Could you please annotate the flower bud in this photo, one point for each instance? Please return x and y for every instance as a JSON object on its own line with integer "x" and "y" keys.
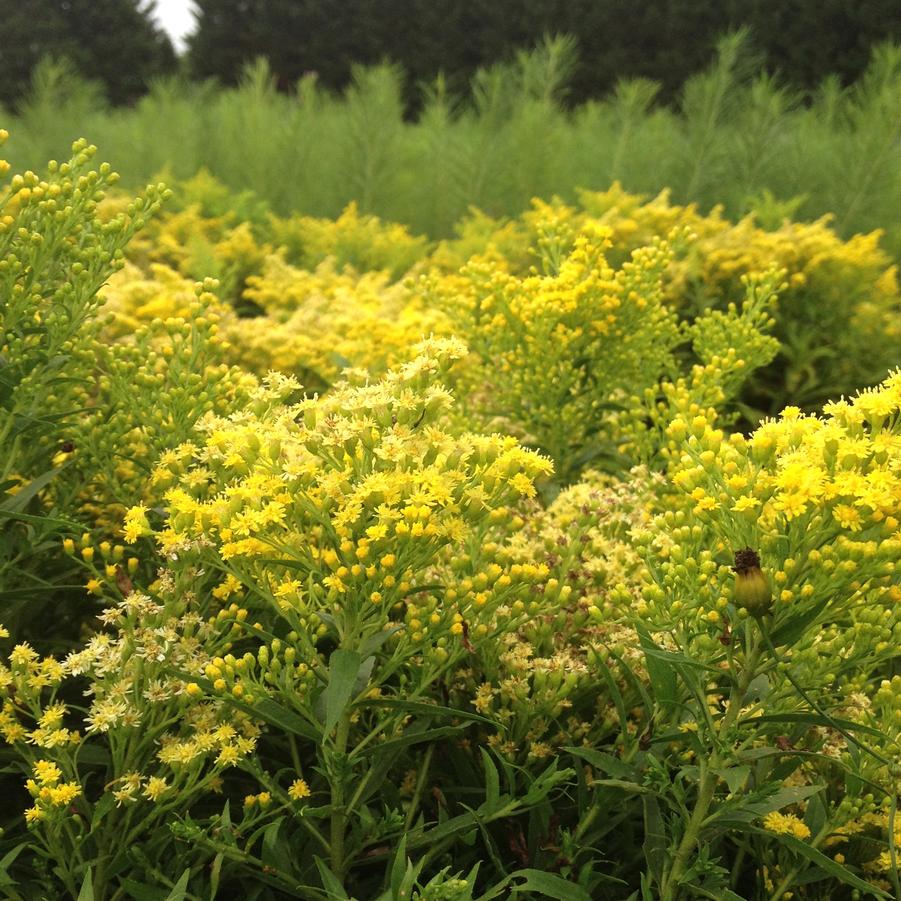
{"x": 752, "y": 587}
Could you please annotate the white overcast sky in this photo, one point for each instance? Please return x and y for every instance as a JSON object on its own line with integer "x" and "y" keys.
{"x": 176, "y": 18}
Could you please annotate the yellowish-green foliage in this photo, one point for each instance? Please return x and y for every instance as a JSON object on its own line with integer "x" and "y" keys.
{"x": 157, "y": 382}
{"x": 818, "y": 502}
{"x": 415, "y": 555}
{"x": 321, "y": 322}
{"x": 558, "y": 348}
{"x": 839, "y": 311}
{"x": 363, "y": 242}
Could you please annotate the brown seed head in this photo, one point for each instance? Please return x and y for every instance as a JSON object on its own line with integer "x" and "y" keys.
{"x": 746, "y": 560}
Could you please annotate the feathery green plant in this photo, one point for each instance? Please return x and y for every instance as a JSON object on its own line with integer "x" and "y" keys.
{"x": 735, "y": 135}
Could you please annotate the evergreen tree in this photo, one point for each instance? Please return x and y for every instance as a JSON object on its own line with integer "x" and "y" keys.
{"x": 666, "y": 40}
{"x": 114, "y": 42}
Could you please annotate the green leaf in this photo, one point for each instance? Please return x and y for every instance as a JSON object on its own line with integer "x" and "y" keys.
{"x": 17, "y": 502}
{"x": 734, "y": 776}
{"x": 422, "y": 708}
{"x": 103, "y": 806}
{"x": 549, "y": 885}
{"x": 330, "y": 882}
{"x": 754, "y": 807}
{"x": 632, "y": 787}
{"x": 343, "y": 667}
{"x": 413, "y": 738}
{"x": 399, "y": 867}
{"x": 272, "y": 849}
{"x": 7, "y": 861}
{"x": 606, "y": 763}
{"x": 492, "y": 779}
{"x": 374, "y": 642}
{"x": 86, "y": 892}
{"x": 180, "y": 889}
{"x": 140, "y": 891}
{"x": 795, "y": 626}
{"x": 816, "y": 814}
{"x": 673, "y": 657}
{"x": 276, "y": 715}
{"x": 216, "y": 874}
{"x": 813, "y": 719}
{"x": 40, "y": 520}
{"x": 655, "y": 843}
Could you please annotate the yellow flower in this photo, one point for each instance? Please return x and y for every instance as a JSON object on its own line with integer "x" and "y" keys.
{"x": 298, "y": 790}
{"x": 33, "y": 814}
{"x": 847, "y": 516}
{"x": 46, "y": 772}
{"x": 155, "y": 788}
{"x": 64, "y": 794}
{"x": 745, "y": 504}
{"x": 136, "y": 524}
{"x": 785, "y": 824}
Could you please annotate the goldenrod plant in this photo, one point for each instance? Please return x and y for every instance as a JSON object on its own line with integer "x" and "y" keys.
{"x": 55, "y": 255}
{"x": 388, "y": 569}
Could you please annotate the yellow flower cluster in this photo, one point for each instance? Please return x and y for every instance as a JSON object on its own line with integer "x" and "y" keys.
{"x": 344, "y": 500}
{"x": 317, "y": 323}
{"x": 49, "y": 791}
{"x": 25, "y": 675}
{"x": 846, "y": 290}
{"x": 360, "y": 241}
{"x": 818, "y": 499}
{"x": 312, "y": 323}
{"x": 558, "y": 349}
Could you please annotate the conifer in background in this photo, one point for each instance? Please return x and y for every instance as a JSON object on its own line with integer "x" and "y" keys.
{"x": 802, "y": 41}
{"x": 113, "y": 42}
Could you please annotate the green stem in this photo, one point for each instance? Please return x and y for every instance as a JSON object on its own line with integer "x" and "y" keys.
{"x": 420, "y": 783}
{"x": 892, "y": 846}
{"x": 708, "y": 780}
{"x": 737, "y": 865}
{"x": 689, "y": 841}
{"x": 339, "y": 810}
{"x": 295, "y": 755}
